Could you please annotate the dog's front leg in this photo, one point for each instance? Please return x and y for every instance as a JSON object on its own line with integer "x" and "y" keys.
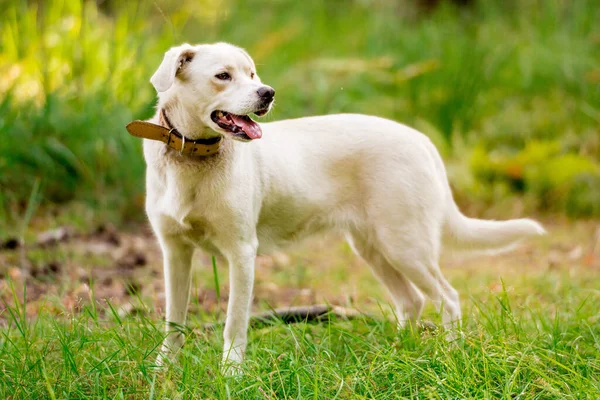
{"x": 241, "y": 276}
{"x": 177, "y": 258}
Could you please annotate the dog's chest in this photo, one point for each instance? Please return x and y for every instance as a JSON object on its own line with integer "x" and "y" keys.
{"x": 190, "y": 221}
{"x": 185, "y": 206}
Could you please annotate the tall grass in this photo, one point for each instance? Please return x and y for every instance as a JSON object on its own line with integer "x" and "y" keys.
{"x": 71, "y": 78}
{"x": 498, "y": 74}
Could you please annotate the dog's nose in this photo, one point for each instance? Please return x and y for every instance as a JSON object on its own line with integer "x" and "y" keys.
{"x": 266, "y": 92}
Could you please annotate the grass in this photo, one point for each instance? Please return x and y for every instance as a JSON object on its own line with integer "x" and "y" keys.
{"x": 530, "y": 329}
{"x": 505, "y": 354}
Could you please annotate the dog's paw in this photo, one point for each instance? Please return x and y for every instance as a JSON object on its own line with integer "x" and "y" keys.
{"x": 231, "y": 369}
{"x": 163, "y": 361}
{"x": 168, "y": 353}
{"x": 454, "y": 337}
{"x": 231, "y": 365}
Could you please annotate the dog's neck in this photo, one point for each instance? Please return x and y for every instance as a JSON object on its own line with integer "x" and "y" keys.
{"x": 187, "y": 123}
{"x": 171, "y": 118}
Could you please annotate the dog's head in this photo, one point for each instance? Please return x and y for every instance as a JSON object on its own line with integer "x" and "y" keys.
{"x": 216, "y": 86}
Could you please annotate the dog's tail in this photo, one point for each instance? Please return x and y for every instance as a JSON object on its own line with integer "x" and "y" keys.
{"x": 485, "y": 234}
{"x": 479, "y": 234}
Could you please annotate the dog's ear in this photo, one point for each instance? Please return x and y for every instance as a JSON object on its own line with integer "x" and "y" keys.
{"x": 172, "y": 64}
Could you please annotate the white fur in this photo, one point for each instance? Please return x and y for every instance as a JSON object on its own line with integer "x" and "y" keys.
{"x": 379, "y": 182}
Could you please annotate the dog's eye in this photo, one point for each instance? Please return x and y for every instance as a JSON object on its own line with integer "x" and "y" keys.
{"x": 251, "y": 75}
{"x": 223, "y": 76}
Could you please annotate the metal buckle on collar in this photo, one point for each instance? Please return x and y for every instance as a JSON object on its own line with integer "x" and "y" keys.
{"x": 170, "y": 133}
{"x": 182, "y": 144}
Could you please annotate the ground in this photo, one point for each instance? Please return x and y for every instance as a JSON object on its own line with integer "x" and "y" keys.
{"x": 530, "y": 327}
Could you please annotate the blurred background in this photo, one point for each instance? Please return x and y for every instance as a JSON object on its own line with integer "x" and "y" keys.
{"x": 509, "y": 91}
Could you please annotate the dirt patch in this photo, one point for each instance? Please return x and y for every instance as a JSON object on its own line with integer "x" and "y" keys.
{"x": 65, "y": 270}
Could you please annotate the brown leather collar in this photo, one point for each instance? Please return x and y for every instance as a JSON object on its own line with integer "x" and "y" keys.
{"x": 166, "y": 133}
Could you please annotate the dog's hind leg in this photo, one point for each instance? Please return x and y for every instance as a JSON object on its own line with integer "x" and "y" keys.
{"x": 408, "y": 301}
{"x": 413, "y": 251}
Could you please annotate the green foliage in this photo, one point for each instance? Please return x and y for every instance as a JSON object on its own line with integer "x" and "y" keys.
{"x": 559, "y": 181}
{"x": 583, "y": 197}
{"x": 72, "y": 82}
{"x": 496, "y": 75}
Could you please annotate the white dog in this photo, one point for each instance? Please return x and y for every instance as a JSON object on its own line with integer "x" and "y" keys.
{"x": 214, "y": 183}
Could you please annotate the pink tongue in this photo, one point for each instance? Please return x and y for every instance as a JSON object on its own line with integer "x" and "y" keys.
{"x": 251, "y": 128}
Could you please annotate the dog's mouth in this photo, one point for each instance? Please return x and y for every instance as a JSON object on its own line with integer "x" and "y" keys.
{"x": 241, "y": 126}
